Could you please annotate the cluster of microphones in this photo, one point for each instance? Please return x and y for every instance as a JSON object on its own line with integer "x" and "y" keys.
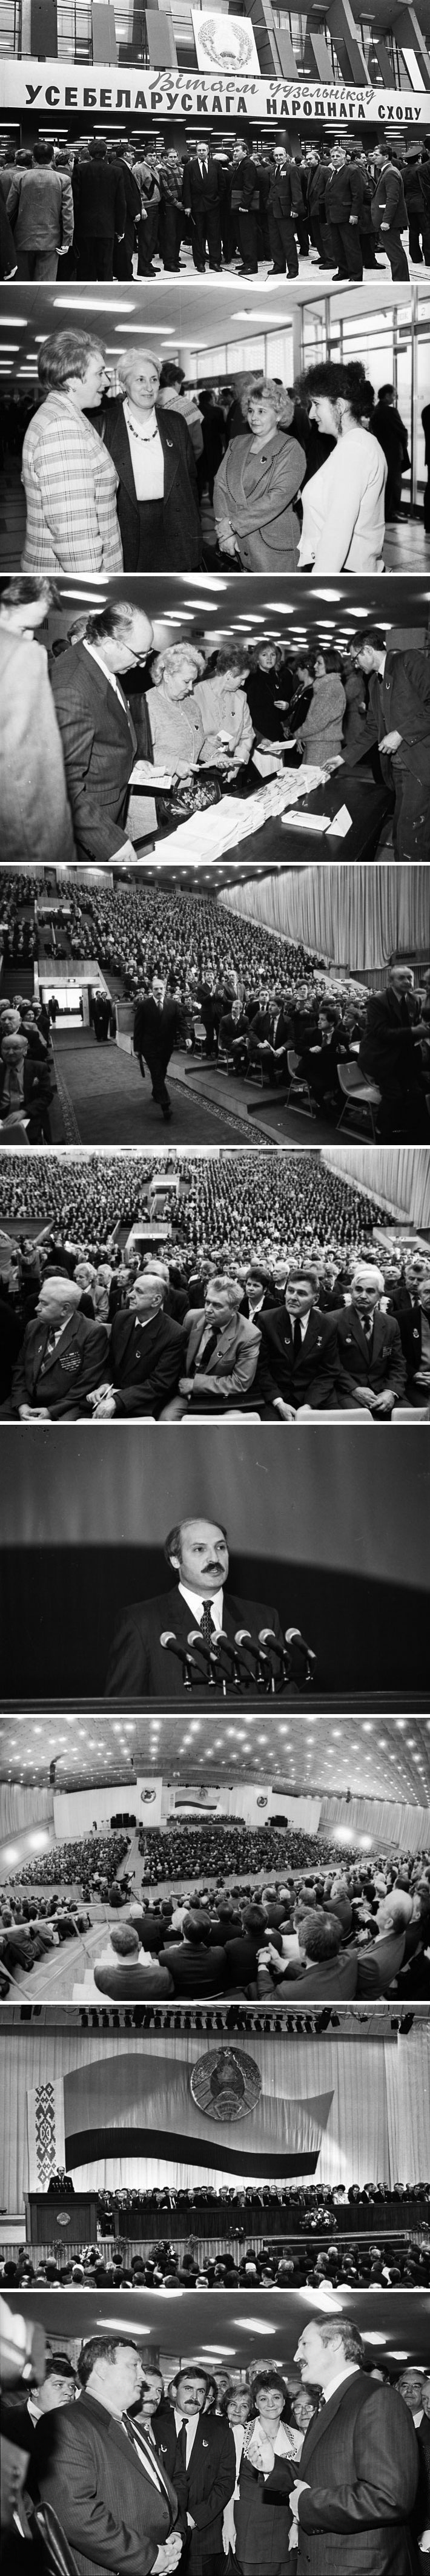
{"x": 244, "y": 1662}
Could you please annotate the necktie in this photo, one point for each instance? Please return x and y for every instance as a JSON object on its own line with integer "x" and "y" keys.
{"x": 206, "y": 1348}
{"x": 297, "y": 1339}
{"x": 182, "y": 2446}
{"x": 147, "y": 2455}
{"x": 207, "y": 1627}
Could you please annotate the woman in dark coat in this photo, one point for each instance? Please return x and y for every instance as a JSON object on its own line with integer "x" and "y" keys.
{"x": 157, "y": 500}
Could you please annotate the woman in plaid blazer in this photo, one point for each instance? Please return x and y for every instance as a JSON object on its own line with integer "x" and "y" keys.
{"x": 70, "y": 480}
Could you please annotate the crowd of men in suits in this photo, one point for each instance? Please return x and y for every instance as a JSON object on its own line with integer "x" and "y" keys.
{"x": 323, "y": 2455}
{"x": 187, "y": 966}
{"x": 111, "y": 212}
{"x": 391, "y": 2262}
{"x": 320, "y": 1933}
{"x": 160, "y": 1340}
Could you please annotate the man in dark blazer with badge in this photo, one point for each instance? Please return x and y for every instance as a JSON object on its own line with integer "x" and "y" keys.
{"x": 198, "y": 2452}
{"x": 103, "y": 2476}
{"x": 63, "y": 1357}
{"x": 145, "y": 1357}
{"x": 372, "y": 1367}
{"x": 202, "y": 196}
{"x": 297, "y": 1366}
{"x": 359, "y": 2467}
{"x": 141, "y": 1667}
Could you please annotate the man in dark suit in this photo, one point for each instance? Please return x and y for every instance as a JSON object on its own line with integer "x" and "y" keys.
{"x": 415, "y": 2391}
{"x": 343, "y": 204}
{"x": 100, "y": 211}
{"x": 245, "y": 206}
{"x": 399, "y": 693}
{"x": 284, "y": 203}
{"x": 298, "y": 1364}
{"x": 358, "y": 2478}
{"x": 389, "y": 1052}
{"x": 160, "y": 1023}
{"x": 124, "y": 247}
{"x": 103, "y": 2477}
{"x": 202, "y": 199}
{"x": 411, "y": 1306}
{"x": 372, "y": 1368}
{"x": 63, "y": 1358}
{"x": 139, "y": 1665}
{"x": 145, "y": 1356}
{"x": 199, "y": 2454}
{"x": 96, "y": 725}
{"x": 389, "y": 212}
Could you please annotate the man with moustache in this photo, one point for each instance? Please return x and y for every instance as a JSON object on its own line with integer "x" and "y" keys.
{"x": 139, "y": 1666}
{"x": 359, "y": 2467}
{"x": 414, "y": 2387}
{"x": 199, "y": 2453}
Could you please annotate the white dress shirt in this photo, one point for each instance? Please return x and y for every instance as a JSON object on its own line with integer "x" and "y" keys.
{"x": 147, "y": 455}
{"x": 339, "y": 2378}
{"x": 303, "y": 1320}
{"x": 197, "y": 1607}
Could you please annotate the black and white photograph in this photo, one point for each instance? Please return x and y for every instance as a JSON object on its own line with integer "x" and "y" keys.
{"x": 146, "y": 1863}
{"x": 214, "y": 1222}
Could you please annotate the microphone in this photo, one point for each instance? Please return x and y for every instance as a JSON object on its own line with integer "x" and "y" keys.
{"x": 169, "y": 1640}
{"x": 267, "y": 1638}
{"x": 298, "y": 1648}
{"x": 195, "y": 1639}
{"x": 249, "y": 1647}
{"x": 232, "y": 1654}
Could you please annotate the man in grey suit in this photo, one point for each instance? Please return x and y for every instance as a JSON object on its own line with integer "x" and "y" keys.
{"x": 97, "y": 731}
{"x": 40, "y": 210}
{"x": 220, "y": 1356}
{"x": 102, "y": 2474}
{"x": 355, "y": 2495}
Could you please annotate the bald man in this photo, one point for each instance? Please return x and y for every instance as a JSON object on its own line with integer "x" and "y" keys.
{"x": 372, "y": 1368}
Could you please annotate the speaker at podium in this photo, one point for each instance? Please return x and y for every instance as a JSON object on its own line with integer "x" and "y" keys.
{"x": 44, "y": 30}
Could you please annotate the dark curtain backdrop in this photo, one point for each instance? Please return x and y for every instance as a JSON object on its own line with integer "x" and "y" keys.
{"x": 331, "y": 1525}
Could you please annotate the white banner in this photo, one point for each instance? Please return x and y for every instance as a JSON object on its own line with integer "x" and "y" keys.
{"x": 70, "y": 85}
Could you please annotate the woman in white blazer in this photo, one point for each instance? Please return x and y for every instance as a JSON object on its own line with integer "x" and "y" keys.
{"x": 343, "y": 503}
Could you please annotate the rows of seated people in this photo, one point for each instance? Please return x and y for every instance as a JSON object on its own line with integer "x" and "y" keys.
{"x": 304, "y": 1332}
{"x": 31, "y": 1927}
{"x": 257, "y": 997}
{"x": 270, "y": 1200}
{"x": 394, "y": 2262}
{"x": 361, "y": 1933}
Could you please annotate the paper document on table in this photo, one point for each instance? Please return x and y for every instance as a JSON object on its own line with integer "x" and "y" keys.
{"x": 341, "y": 824}
{"x": 299, "y": 821}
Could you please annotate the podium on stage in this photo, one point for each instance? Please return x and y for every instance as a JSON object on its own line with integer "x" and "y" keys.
{"x": 61, "y": 2222}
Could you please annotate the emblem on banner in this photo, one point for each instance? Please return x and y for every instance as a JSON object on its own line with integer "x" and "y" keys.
{"x": 226, "y": 2084}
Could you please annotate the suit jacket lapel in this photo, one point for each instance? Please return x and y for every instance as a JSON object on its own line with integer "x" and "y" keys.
{"x": 318, "y": 2426}
{"x": 50, "y": 1361}
{"x": 170, "y": 452}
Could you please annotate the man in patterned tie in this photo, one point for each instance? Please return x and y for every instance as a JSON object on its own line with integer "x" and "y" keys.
{"x": 103, "y": 2476}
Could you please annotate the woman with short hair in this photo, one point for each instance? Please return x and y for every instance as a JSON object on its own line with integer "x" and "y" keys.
{"x": 155, "y": 466}
{"x": 257, "y": 484}
{"x": 321, "y": 733}
{"x": 69, "y": 479}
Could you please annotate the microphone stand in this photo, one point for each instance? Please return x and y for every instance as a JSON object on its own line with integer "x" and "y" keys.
{"x": 213, "y": 1675}
{"x": 282, "y": 1653}
{"x": 170, "y": 1642}
{"x": 247, "y": 1646}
